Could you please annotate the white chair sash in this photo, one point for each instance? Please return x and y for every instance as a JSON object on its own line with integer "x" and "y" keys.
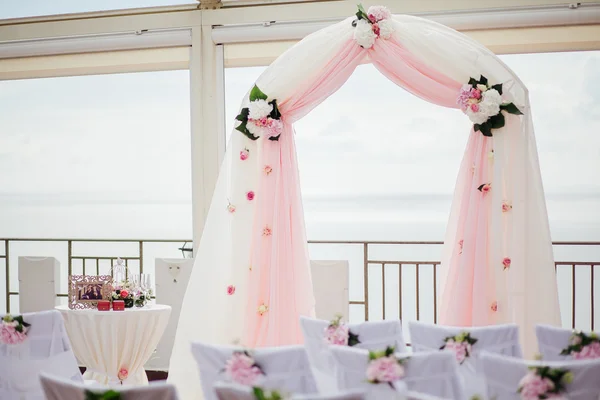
{"x": 372, "y": 335}
{"x": 286, "y": 368}
{"x": 503, "y": 374}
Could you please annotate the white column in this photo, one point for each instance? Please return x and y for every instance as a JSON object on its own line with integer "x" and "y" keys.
{"x": 207, "y": 122}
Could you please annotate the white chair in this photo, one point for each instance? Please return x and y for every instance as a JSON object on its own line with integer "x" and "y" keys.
{"x": 551, "y": 341}
{"x": 46, "y": 349}
{"x": 433, "y": 373}
{"x": 230, "y": 391}
{"x": 56, "y": 388}
{"x": 503, "y": 374}
{"x": 497, "y": 339}
{"x": 372, "y": 335}
{"x": 286, "y": 368}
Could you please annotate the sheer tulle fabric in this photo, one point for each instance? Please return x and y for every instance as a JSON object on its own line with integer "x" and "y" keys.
{"x": 270, "y": 267}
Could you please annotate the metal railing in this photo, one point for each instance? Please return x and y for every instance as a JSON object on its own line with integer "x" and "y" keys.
{"x": 367, "y": 263}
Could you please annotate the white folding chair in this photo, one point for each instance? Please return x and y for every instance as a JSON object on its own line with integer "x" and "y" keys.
{"x": 372, "y": 336}
{"x": 46, "y": 349}
{"x": 551, "y": 341}
{"x": 56, "y": 388}
{"x": 433, "y": 373}
{"x": 286, "y": 368}
{"x": 503, "y": 374}
{"x": 230, "y": 391}
{"x": 497, "y": 339}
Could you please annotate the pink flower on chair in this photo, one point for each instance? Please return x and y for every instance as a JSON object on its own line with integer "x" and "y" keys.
{"x": 384, "y": 367}
{"x": 242, "y": 369}
{"x": 13, "y": 330}
{"x": 506, "y": 262}
{"x": 123, "y": 374}
{"x": 460, "y": 344}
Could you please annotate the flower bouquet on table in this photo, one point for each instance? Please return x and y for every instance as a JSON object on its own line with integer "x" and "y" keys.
{"x": 130, "y": 294}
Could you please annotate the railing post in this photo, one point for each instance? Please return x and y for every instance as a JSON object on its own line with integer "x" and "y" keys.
{"x": 366, "y": 278}
{"x": 70, "y": 256}
{"x": 141, "y": 256}
{"x": 7, "y": 264}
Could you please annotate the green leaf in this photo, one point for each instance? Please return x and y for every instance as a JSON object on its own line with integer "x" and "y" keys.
{"x": 372, "y": 355}
{"x": 498, "y": 87}
{"x": 257, "y": 94}
{"x": 473, "y": 82}
{"x": 481, "y": 187}
{"x": 476, "y": 127}
{"x": 275, "y": 114}
{"x": 361, "y": 13}
{"x": 275, "y": 138}
{"x": 483, "y": 80}
{"x": 389, "y": 351}
{"x": 243, "y": 115}
{"x": 486, "y": 129}
{"x": 259, "y": 393}
{"x": 108, "y": 395}
{"x": 352, "y": 339}
{"x": 511, "y": 109}
{"x": 497, "y": 121}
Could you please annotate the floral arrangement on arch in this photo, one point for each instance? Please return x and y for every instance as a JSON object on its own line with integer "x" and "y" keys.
{"x": 583, "y": 346}
{"x": 13, "y": 330}
{"x": 261, "y": 394}
{"x": 372, "y": 24}
{"x": 460, "y": 344}
{"x": 384, "y": 367}
{"x": 483, "y": 105}
{"x": 338, "y": 333}
{"x": 544, "y": 383}
{"x": 260, "y": 118}
{"x": 242, "y": 369}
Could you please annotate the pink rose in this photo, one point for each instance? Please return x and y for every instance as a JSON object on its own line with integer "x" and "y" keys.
{"x": 230, "y": 290}
{"x": 241, "y": 369}
{"x": 494, "y": 306}
{"x": 337, "y": 335}
{"x": 124, "y": 294}
{"x": 123, "y": 374}
{"x": 244, "y": 154}
{"x": 589, "y": 352}
{"x": 378, "y": 13}
{"x": 385, "y": 369}
{"x": 595, "y": 349}
{"x": 475, "y": 107}
{"x": 475, "y": 93}
{"x": 376, "y": 29}
{"x": 506, "y": 262}
{"x": 268, "y": 169}
{"x": 506, "y": 207}
{"x": 486, "y": 188}
{"x": 9, "y": 335}
{"x": 250, "y": 195}
{"x": 231, "y": 208}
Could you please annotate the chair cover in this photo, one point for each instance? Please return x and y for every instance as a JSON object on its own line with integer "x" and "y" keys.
{"x": 56, "y": 388}
{"x": 432, "y": 373}
{"x": 497, "y": 339}
{"x": 503, "y": 374}
{"x": 46, "y": 349}
{"x": 422, "y": 396}
{"x": 372, "y": 335}
{"x": 286, "y": 368}
{"x": 551, "y": 341}
{"x": 230, "y": 391}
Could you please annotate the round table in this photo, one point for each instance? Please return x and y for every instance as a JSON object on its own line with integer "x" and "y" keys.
{"x": 108, "y": 341}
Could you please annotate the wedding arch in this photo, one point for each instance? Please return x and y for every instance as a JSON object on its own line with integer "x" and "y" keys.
{"x": 251, "y": 277}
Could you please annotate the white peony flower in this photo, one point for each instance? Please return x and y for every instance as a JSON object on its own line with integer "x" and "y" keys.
{"x": 363, "y": 34}
{"x": 490, "y": 102}
{"x": 256, "y": 130}
{"x": 482, "y": 88}
{"x": 476, "y": 117}
{"x": 259, "y": 109}
{"x": 386, "y": 28}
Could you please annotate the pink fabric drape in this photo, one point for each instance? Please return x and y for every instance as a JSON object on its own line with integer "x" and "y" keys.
{"x": 279, "y": 278}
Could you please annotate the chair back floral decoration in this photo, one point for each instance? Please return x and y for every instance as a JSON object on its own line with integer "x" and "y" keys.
{"x": 384, "y": 367}
{"x": 483, "y": 105}
{"x": 108, "y": 395}
{"x": 338, "y": 333}
{"x": 242, "y": 369}
{"x": 460, "y": 344}
{"x": 260, "y": 118}
{"x": 583, "y": 346}
{"x": 13, "y": 330}
{"x": 544, "y": 383}
{"x": 261, "y": 394}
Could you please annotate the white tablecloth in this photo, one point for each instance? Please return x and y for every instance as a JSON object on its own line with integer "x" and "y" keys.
{"x": 105, "y": 341}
